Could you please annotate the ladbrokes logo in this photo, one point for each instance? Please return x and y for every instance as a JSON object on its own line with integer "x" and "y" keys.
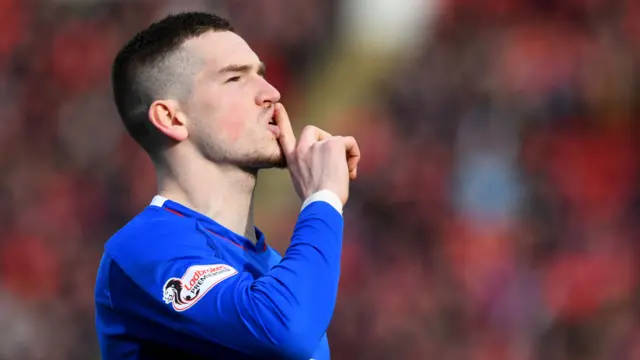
{"x": 195, "y": 283}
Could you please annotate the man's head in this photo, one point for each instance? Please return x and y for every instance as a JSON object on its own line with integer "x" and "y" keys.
{"x": 190, "y": 81}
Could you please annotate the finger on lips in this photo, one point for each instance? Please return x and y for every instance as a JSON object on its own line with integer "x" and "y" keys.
{"x": 287, "y": 138}
{"x": 311, "y": 135}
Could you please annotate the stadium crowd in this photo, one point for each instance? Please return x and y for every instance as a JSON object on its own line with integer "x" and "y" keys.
{"x": 496, "y": 211}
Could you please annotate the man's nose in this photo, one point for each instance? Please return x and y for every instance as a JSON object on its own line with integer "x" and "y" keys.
{"x": 268, "y": 94}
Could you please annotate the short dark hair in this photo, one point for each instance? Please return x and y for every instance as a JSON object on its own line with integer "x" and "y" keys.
{"x": 150, "y": 66}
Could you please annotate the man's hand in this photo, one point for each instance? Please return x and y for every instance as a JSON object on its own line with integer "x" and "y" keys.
{"x": 318, "y": 161}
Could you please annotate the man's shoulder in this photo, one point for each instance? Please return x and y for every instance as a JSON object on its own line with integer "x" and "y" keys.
{"x": 153, "y": 232}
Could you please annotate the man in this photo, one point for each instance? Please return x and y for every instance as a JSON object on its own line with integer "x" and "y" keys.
{"x": 191, "y": 277}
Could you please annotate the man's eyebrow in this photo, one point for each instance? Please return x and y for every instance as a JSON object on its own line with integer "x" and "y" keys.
{"x": 236, "y": 68}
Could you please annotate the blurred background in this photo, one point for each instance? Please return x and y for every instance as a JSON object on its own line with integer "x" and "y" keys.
{"x": 496, "y": 213}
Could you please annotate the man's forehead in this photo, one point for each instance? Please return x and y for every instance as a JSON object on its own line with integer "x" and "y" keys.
{"x": 222, "y": 48}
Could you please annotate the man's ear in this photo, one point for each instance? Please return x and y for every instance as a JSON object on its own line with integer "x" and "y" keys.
{"x": 166, "y": 116}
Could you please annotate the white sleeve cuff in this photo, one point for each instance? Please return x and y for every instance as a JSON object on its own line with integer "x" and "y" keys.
{"x": 327, "y": 196}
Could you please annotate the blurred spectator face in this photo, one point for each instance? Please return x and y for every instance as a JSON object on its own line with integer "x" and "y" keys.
{"x": 231, "y": 103}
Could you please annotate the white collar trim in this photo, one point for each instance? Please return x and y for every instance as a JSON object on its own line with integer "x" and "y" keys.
{"x": 158, "y": 201}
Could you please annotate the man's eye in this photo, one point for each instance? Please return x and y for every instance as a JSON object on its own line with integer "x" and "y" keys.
{"x": 233, "y": 79}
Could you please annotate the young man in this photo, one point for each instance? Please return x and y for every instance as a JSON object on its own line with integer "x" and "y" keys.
{"x": 190, "y": 277}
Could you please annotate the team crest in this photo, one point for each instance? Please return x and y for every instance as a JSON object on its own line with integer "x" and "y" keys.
{"x": 194, "y": 284}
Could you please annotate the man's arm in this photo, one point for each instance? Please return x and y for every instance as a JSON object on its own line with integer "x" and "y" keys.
{"x": 282, "y": 314}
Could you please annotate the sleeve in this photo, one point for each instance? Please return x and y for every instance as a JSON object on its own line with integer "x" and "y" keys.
{"x": 282, "y": 314}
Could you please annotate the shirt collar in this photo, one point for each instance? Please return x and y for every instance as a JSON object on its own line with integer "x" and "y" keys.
{"x": 211, "y": 225}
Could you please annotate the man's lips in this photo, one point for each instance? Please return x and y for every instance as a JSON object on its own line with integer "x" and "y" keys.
{"x": 272, "y": 124}
{"x": 274, "y": 129}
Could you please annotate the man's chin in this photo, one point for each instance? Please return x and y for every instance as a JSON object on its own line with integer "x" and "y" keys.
{"x": 279, "y": 162}
{"x": 273, "y": 159}
{"x": 276, "y": 164}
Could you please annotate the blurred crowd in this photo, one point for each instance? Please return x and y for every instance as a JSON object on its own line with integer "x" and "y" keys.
{"x": 502, "y": 220}
{"x": 496, "y": 214}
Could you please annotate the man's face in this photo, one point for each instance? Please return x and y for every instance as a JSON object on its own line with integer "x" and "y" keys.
{"x": 231, "y": 104}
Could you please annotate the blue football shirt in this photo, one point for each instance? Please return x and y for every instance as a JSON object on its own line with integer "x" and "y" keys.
{"x": 173, "y": 283}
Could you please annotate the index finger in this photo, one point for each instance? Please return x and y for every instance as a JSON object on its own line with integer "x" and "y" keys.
{"x": 287, "y": 138}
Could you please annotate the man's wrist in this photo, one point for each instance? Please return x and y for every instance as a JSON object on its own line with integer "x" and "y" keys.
{"x": 327, "y": 196}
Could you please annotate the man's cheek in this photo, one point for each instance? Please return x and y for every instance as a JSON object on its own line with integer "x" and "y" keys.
{"x": 232, "y": 130}
{"x": 232, "y": 127}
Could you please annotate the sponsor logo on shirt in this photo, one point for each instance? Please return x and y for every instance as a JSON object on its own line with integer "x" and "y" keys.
{"x": 195, "y": 283}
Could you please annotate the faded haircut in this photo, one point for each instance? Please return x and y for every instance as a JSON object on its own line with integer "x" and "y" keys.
{"x": 155, "y": 65}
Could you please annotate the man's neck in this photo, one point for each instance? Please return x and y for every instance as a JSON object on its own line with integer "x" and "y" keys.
{"x": 223, "y": 193}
